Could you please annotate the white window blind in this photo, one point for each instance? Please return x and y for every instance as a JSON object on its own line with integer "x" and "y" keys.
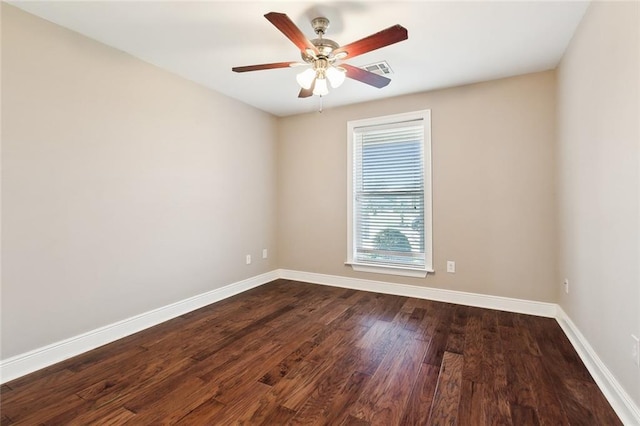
{"x": 389, "y": 194}
{"x": 388, "y": 209}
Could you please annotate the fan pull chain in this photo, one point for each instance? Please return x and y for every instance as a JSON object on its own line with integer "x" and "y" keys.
{"x": 320, "y": 110}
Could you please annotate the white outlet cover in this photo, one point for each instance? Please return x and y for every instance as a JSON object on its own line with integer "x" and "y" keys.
{"x": 451, "y": 266}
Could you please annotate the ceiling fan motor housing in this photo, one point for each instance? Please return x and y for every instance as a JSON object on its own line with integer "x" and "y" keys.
{"x": 325, "y": 46}
{"x": 320, "y": 25}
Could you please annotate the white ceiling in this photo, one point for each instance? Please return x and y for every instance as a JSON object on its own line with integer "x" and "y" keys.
{"x": 450, "y": 43}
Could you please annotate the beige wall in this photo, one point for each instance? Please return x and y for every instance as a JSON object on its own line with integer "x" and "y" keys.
{"x": 493, "y": 187}
{"x": 599, "y": 183}
{"x": 125, "y": 188}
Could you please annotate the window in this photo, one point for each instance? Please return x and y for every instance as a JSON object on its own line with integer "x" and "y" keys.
{"x": 389, "y": 204}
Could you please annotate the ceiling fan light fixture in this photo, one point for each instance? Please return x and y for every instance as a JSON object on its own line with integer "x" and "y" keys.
{"x": 305, "y": 78}
{"x": 321, "y": 88}
{"x": 336, "y": 76}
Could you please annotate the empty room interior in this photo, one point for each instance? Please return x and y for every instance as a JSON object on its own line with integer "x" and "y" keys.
{"x": 429, "y": 215}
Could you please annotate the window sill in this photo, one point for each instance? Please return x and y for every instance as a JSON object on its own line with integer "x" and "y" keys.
{"x": 389, "y": 270}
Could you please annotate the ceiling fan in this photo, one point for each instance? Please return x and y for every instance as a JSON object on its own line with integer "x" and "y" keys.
{"x": 322, "y": 54}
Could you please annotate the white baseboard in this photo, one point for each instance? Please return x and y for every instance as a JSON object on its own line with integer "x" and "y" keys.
{"x": 31, "y": 361}
{"x": 619, "y": 399}
{"x": 541, "y": 309}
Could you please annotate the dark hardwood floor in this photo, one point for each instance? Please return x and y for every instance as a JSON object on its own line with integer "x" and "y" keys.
{"x": 296, "y": 353}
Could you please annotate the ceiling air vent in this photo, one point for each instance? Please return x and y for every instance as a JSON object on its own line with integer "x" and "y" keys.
{"x": 380, "y": 68}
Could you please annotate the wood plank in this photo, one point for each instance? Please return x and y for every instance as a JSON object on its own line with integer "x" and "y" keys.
{"x": 312, "y": 380}
{"x": 549, "y": 408}
{"x": 280, "y": 370}
{"x": 414, "y": 322}
{"x": 563, "y": 368}
{"x": 447, "y": 396}
{"x": 354, "y": 421}
{"x": 336, "y": 344}
{"x": 105, "y": 415}
{"x": 54, "y": 412}
{"x": 128, "y": 383}
{"x": 421, "y": 398}
{"x": 231, "y": 378}
{"x": 391, "y": 306}
{"x": 335, "y": 310}
{"x": 24, "y": 401}
{"x": 427, "y": 328}
{"x": 519, "y": 387}
{"x": 590, "y": 401}
{"x": 169, "y": 403}
{"x": 471, "y": 408}
{"x": 252, "y": 327}
{"x": 505, "y": 319}
{"x": 497, "y": 409}
{"x": 348, "y": 293}
{"x": 556, "y": 349}
{"x": 523, "y": 326}
{"x": 522, "y": 415}
{"x": 438, "y": 342}
{"x": 457, "y": 330}
{"x": 385, "y": 395}
{"x": 312, "y": 383}
{"x": 243, "y": 410}
{"x": 330, "y": 383}
{"x": 235, "y": 383}
{"x": 375, "y": 344}
{"x": 279, "y": 416}
{"x": 338, "y": 410}
{"x": 473, "y": 370}
{"x": 203, "y": 414}
{"x": 253, "y": 410}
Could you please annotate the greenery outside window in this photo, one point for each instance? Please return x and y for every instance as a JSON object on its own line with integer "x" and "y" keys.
{"x": 389, "y": 204}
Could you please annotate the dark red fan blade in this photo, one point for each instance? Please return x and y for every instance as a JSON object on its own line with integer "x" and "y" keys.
{"x": 365, "y": 76}
{"x": 263, "y": 66}
{"x": 305, "y": 93}
{"x": 375, "y": 41}
{"x": 289, "y": 29}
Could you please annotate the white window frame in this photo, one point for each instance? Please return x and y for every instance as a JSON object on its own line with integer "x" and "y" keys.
{"x": 425, "y": 116}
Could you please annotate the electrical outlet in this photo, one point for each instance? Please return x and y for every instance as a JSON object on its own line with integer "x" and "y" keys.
{"x": 451, "y": 266}
{"x": 566, "y": 285}
{"x": 248, "y": 259}
{"x": 264, "y": 253}
{"x": 635, "y": 350}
